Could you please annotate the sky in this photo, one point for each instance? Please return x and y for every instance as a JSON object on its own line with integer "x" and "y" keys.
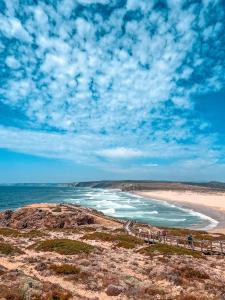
{"x": 112, "y": 89}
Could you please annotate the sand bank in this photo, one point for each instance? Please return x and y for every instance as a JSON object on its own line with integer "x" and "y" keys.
{"x": 211, "y": 204}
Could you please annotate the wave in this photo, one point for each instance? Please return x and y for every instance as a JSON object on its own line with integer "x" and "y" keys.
{"x": 108, "y": 211}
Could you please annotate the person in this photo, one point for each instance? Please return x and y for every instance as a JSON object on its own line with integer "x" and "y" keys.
{"x": 190, "y": 240}
{"x": 159, "y": 235}
{"x": 163, "y": 234}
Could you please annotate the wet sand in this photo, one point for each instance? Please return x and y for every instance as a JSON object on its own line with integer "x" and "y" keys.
{"x": 211, "y": 204}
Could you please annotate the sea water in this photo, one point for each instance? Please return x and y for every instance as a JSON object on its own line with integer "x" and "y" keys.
{"x": 111, "y": 202}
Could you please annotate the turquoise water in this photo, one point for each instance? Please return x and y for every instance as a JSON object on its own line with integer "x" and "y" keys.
{"x": 111, "y": 202}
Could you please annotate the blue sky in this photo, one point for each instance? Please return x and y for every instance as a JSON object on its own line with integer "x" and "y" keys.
{"x": 112, "y": 89}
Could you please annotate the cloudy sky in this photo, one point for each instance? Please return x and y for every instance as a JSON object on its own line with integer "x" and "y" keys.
{"x": 112, "y": 89}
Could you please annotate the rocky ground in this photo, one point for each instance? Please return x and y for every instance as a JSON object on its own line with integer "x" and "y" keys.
{"x": 59, "y": 252}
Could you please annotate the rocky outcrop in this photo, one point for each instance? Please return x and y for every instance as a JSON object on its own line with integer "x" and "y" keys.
{"x": 32, "y": 218}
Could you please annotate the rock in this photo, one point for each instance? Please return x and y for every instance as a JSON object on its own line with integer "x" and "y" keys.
{"x": 34, "y": 218}
{"x": 114, "y": 290}
{"x": 41, "y": 266}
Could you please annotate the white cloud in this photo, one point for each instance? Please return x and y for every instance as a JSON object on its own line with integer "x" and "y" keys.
{"x": 12, "y": 62}
{"x": 121, "y": 152}
{"x": 125, "y": 81}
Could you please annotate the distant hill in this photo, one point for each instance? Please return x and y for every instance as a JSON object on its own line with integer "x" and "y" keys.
{"x": 152, "y": 185}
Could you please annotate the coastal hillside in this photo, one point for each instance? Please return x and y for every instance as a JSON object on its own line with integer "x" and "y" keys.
{"x": 153, "y": 185}
{"x": 50, "y": 251}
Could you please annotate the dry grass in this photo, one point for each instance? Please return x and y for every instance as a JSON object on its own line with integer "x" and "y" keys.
{"x": 169, "y": 250}
{"x": 63, "y": 246}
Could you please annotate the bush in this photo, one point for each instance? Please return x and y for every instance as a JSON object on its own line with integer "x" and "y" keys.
{"x": 169, "y": 250}
{"x": 197, "y": 234}
{"x": 10, "y": 293}
{"x": 64, "y": 269}
{"x": 63, "y": 246}
{"x": 123, "y": 240}
{"x": 7, "y": 249}
{"x": 190, "y": 273}
{"x": 9, "y": 232}
{"x": 57, "y": 209}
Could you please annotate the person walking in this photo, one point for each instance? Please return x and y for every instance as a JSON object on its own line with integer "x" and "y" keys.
{"x": 190, "y": 241}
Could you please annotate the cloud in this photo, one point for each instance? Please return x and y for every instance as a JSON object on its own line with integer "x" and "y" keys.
{"x": 121, "y": 152}
{"x": 12, "y": 62}
{"x": 122, "y": 74}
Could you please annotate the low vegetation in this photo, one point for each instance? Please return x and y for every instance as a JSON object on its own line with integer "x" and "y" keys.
{"x": 57, "y": 209}
{"x": 169, "y": 250}
{"x": 191, "y": 273}
{"x": 123, "y": 240}
{"x": 63, "y": 246}
{"x": 9, "y": 232}
{"x": 7, "y": 249}
{"x": 197, "y": 234}
{"x": 64, "y": 269}
{"x": 15, "y": 293}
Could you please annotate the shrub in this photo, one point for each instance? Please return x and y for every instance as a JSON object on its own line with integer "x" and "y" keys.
{"x": 57, "y": 209}
{"x": 190, "y": 273}
{"x": 123, "y": 240}
{"x": 169, "y": 250}
{"x": 9, "y": 232}
{"x": 55, "y": 293}
{"x": 64, "y": 269}
{"x": 63, "y": 246}
{"x": 10, "y": 293}
{"x": 8, "y": 249}
{"x": 126, "y": 245}
{"x": 129, "y": 239}
{"x": 87, "y": 228}
{"x": 197, "y": 234}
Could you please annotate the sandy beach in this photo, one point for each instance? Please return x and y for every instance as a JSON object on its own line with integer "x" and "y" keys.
{"x": 211, "y": 204}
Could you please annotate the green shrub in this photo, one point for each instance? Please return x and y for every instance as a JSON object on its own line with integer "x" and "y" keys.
{"x": 123, "y": 240}
{"x": 197, "y": 234}
{"x": 126, "y": 245}
{"x": 8, "y": 249}
{"x": 9, "y": 232}
{"x": 169, "y": 250}
{"x": 57, "y": 209}
{"x": 63, "y": 246}
{"x": 129, "y": 239}
{"x": 64, "y": 269}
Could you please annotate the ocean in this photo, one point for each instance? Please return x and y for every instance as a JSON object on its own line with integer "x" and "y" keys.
{"x": 111, "y": 202}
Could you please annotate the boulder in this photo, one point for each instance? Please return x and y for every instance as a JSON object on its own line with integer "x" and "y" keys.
{"x": 114, "y": 290}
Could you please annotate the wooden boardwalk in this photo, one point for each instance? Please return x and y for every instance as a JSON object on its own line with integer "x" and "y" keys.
{"x": 206, "y": 247}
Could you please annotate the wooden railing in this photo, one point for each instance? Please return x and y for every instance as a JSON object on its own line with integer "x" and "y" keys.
{"x": 152, "y": 237}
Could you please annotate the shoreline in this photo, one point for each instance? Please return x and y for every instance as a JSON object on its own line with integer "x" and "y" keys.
{"x": 209, "y": 210}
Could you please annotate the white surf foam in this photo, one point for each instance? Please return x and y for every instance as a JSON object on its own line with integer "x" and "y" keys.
{"x": 108, "y": 211}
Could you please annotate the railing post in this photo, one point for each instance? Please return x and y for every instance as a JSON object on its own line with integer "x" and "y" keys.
{"x": 221, "y": 247}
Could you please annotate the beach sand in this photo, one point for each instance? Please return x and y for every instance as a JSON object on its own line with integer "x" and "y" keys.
{"x": 211, "y": 203}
